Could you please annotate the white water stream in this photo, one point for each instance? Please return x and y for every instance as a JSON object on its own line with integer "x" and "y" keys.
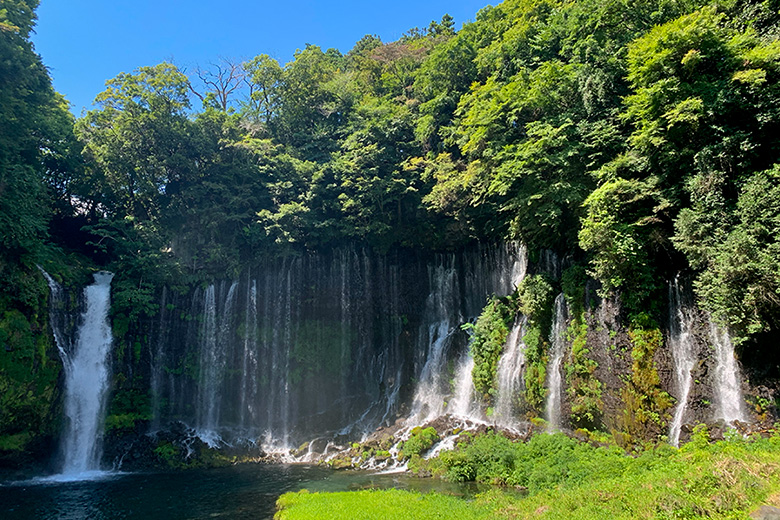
{"x": 554, "y": 371}
{"x": 729, "y": 401}
{"x": 86, "y": 365}
{"x": 510, "y": 375}
{"x": 683, "y": 355}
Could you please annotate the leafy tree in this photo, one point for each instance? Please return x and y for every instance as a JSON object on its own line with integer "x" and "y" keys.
{"x": 136, "y": 142}
{"x": 316, "y": 96}
{"x": 264, "y": 75}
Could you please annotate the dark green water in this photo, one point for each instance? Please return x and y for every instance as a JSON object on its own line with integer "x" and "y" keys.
{"x": 241, "y": 492}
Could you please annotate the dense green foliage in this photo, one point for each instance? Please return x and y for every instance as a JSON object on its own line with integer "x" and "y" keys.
{"x": 582, "y": 386}
{"x": 37, "y": 150}
{"x": 28, "y": 378}
{"x": 420, "y": 440}
{"x": 636, "y": 137}
{"x": 488, "y": 336}
{"x": 536, "y": 303}
{"x": 628, "y": 144}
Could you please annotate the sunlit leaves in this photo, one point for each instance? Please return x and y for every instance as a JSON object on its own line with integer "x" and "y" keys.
{"x": 740, "y": 280}
{"x": 614, "y": 230}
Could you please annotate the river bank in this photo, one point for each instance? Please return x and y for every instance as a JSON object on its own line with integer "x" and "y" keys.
{"x": 733, "y": 478}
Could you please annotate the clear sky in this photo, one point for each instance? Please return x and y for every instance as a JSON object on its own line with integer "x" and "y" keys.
{"x": 86, "y": 42}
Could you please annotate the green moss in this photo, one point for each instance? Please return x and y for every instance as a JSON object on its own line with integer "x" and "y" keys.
{"x": 573, "y": 280}
{"x": 320, "y": 348}
{"x": 17, "y": 442}
{"x": 175, "y": 456}
{"x": 421, "y": 467}
{"x": 341, "y": 462}
{"x": 169, "y": 455}
{"x": 120, "y": 325}
{"x": 646, "y": 404}
{"x": 536, "y": 366}
{"x": 29, "y": 370}
{"x": 128, "y": 407}
{"x": 137, "y": 352}
{"x": 583, "y": 388}
{"x": 421, "y": 440}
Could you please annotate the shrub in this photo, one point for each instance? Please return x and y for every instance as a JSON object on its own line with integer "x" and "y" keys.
{"x": 420, "y": 441}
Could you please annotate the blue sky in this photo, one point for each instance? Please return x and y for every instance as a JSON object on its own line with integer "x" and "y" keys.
{"x": 86, "y": 42}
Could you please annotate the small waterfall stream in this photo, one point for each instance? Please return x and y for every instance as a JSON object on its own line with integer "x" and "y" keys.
{"x": 432, "y": 391}
{"x": 554, "y": 370}
{"x": 729, "y": 401}
{"x": 249, "y": 359}
{"x": 464, "y": 402}
{"x": 216, "y": 332}
{"x": 683, "y": 355}
{"x": 510, "y": 375}
{"x": 86, "y": 366}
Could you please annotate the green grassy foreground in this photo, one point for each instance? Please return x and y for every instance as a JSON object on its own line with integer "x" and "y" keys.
{"x": 726, "y": 480}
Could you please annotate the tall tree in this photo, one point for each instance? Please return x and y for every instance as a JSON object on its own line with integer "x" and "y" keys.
{"x": 136, "y": 142}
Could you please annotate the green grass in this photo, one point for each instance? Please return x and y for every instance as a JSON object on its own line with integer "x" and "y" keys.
{"x": 378, "y": 505}
{"x": 724, "y": 480}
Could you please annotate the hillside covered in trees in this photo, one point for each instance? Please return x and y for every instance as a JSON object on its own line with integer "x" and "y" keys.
{"x": 636, "y": 140}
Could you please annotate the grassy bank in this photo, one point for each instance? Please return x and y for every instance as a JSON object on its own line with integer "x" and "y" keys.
{"x": 728, "y": 480}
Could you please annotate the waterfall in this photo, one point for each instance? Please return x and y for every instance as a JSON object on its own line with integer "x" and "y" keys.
{"x": 509, "y": 375}
{"x": 554, "y": 371}
{"x": 215, "y": 340}
{"x": 324, "y": 344}
{"x": 519, "y": 265}
{"x": 439, "y": 326}
{"x": 249, "y": 363}
{"x": 157, "y": 377}
{"x": 683, "y": 355}
{"x": 489, "y": 272}
{"x": 464, "y": 403}
{"x": 729, "y": 402}
{"x": 85, "y": 363}
{"x": 56, "y": 314}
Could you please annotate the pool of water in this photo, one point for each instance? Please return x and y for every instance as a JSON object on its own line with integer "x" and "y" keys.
{"x": 244, "y": 491}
